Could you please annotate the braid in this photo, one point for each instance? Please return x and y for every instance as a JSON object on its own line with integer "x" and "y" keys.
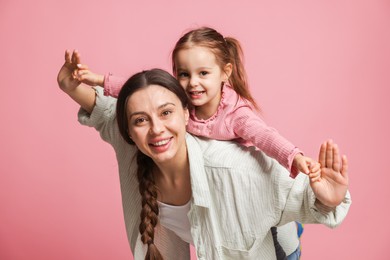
{"x": 149, "y": 212}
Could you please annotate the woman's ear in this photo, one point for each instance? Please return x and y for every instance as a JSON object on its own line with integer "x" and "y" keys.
{"x": 228, "y": 68}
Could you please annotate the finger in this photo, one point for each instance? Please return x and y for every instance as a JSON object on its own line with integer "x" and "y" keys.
{"x": 75, "y": 57}
{"x": 315, "y": 167}
{"x": 81, "y": 74}
{"x": 315, "y": 176}
{"x": 74, "y": 74}
{"x": 303, "y": 167}
{"x": 322, "y": 154}
{"x": 329, "y": 154}
{"x": 82, "y": 66}
{"x": 67, "y": 56}
{"x": 336, "y": 158}
{"x": 344, "y": 168}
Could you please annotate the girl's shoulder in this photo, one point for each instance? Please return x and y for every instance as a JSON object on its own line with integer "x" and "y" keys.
{"x": 231, "y": 98}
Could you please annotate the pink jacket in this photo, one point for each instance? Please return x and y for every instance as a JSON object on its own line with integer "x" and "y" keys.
{"x": 235, "y": 119}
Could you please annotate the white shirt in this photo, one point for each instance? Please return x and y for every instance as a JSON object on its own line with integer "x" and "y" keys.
{"x": 238, "y": 195}
{"x": 175, "y": 218}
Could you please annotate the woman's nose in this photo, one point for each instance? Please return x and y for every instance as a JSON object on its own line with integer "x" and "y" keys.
{"x": 157, "y": 127}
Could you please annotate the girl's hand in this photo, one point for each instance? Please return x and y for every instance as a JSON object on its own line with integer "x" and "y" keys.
{"x": 303, "y": 163}
{"x": 84, "y": 75}
{"x": 332, "y": 185}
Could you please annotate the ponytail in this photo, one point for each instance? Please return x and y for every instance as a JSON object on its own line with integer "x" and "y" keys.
{"x": 238, "y": 78}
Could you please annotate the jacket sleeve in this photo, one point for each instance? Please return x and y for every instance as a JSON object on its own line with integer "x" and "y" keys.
{"x": 295, "y": 200}
{"x": 103, "y": 118}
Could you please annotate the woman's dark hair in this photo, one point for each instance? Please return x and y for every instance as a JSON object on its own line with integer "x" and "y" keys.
{"x": 147, "y": 187}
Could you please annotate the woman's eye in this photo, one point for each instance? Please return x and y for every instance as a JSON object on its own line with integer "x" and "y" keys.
{"x": 167, "y": 113}
{"x": 139, "y": 121}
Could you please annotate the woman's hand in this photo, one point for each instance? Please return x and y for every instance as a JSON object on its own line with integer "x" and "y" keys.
{"x": 69, "y": 83}
{"x": 66, "y": 79}
{"x": 331, "y": 187}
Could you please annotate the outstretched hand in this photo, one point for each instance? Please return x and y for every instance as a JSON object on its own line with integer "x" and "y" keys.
{"x": 330, "y": 189}
{"x": 66, "y": 80}
{"x": 84, "y": 75}
{"x": 69, "y": 82}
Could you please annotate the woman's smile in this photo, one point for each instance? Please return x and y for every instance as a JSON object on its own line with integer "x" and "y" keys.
{"x": 157, "y": 123}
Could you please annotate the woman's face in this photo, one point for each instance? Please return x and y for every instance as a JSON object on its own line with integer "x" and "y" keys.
{"x": 157, "y": 124}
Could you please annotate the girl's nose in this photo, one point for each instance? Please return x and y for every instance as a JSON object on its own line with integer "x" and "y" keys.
{"x": 194, "y": 81}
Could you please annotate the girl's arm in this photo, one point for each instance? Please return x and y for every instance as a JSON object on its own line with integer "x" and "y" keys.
{"x": 249, "y": 126}
{"x": 111, "y": 84}
{"x": 68, "y": 82}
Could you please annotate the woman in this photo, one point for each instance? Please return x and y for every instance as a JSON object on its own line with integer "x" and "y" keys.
{"x": 232, "y": 195}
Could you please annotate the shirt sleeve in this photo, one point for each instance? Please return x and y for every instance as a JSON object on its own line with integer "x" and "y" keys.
{"x": 112, "y": 84}
{"x": 249, "y": 126}
{"x": 296, "y": 201}
{"x": 102, "y": 118}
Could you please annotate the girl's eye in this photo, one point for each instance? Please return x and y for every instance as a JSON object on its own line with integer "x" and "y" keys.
{"x": 204, "y": 73}
{"x": 183, "y": 75}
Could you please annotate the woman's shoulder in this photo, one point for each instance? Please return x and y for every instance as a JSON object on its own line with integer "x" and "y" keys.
{"x": 229, "y": 154}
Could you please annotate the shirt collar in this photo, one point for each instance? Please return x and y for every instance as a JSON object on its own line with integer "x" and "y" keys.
{"x": 199, "y": 182}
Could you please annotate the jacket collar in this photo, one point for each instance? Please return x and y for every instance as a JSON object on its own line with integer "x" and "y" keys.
{"x": 199, "y": 182}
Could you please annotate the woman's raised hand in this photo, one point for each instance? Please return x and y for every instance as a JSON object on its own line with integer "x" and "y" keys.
{"x": 330, "y": 189}
{"x": 70, "y": 83}
{"x": 66, "y": 79}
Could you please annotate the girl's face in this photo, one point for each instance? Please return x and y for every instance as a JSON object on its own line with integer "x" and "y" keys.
{"x": 201, "y": 76}
{"x": 157, "y": 124}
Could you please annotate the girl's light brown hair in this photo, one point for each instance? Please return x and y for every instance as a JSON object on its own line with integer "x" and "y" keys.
{"x": 226, "y": 50}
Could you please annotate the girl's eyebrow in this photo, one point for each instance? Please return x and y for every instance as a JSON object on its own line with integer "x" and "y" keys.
{"x": 144, "y": 113}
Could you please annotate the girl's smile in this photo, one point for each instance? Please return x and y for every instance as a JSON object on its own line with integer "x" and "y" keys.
{"x": 201, "y": 76}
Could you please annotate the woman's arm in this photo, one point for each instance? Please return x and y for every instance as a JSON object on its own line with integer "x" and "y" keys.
{"x": 70, "y": 84}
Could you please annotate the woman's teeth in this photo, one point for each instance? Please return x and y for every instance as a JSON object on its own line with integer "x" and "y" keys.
{"x": 162, "y": 142}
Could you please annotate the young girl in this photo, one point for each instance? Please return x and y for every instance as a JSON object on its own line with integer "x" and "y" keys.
{"x": 210, "y": 68}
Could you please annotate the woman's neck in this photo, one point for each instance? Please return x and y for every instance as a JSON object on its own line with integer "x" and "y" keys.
{"x": 173, "y": 181}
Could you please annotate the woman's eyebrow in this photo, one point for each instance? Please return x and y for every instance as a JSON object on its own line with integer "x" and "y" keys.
{"x": 166, "y": 104}
{"x": 144, "y": 113}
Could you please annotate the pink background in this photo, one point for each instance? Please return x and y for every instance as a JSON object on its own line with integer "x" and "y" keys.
{"x": 319, "y": 69}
